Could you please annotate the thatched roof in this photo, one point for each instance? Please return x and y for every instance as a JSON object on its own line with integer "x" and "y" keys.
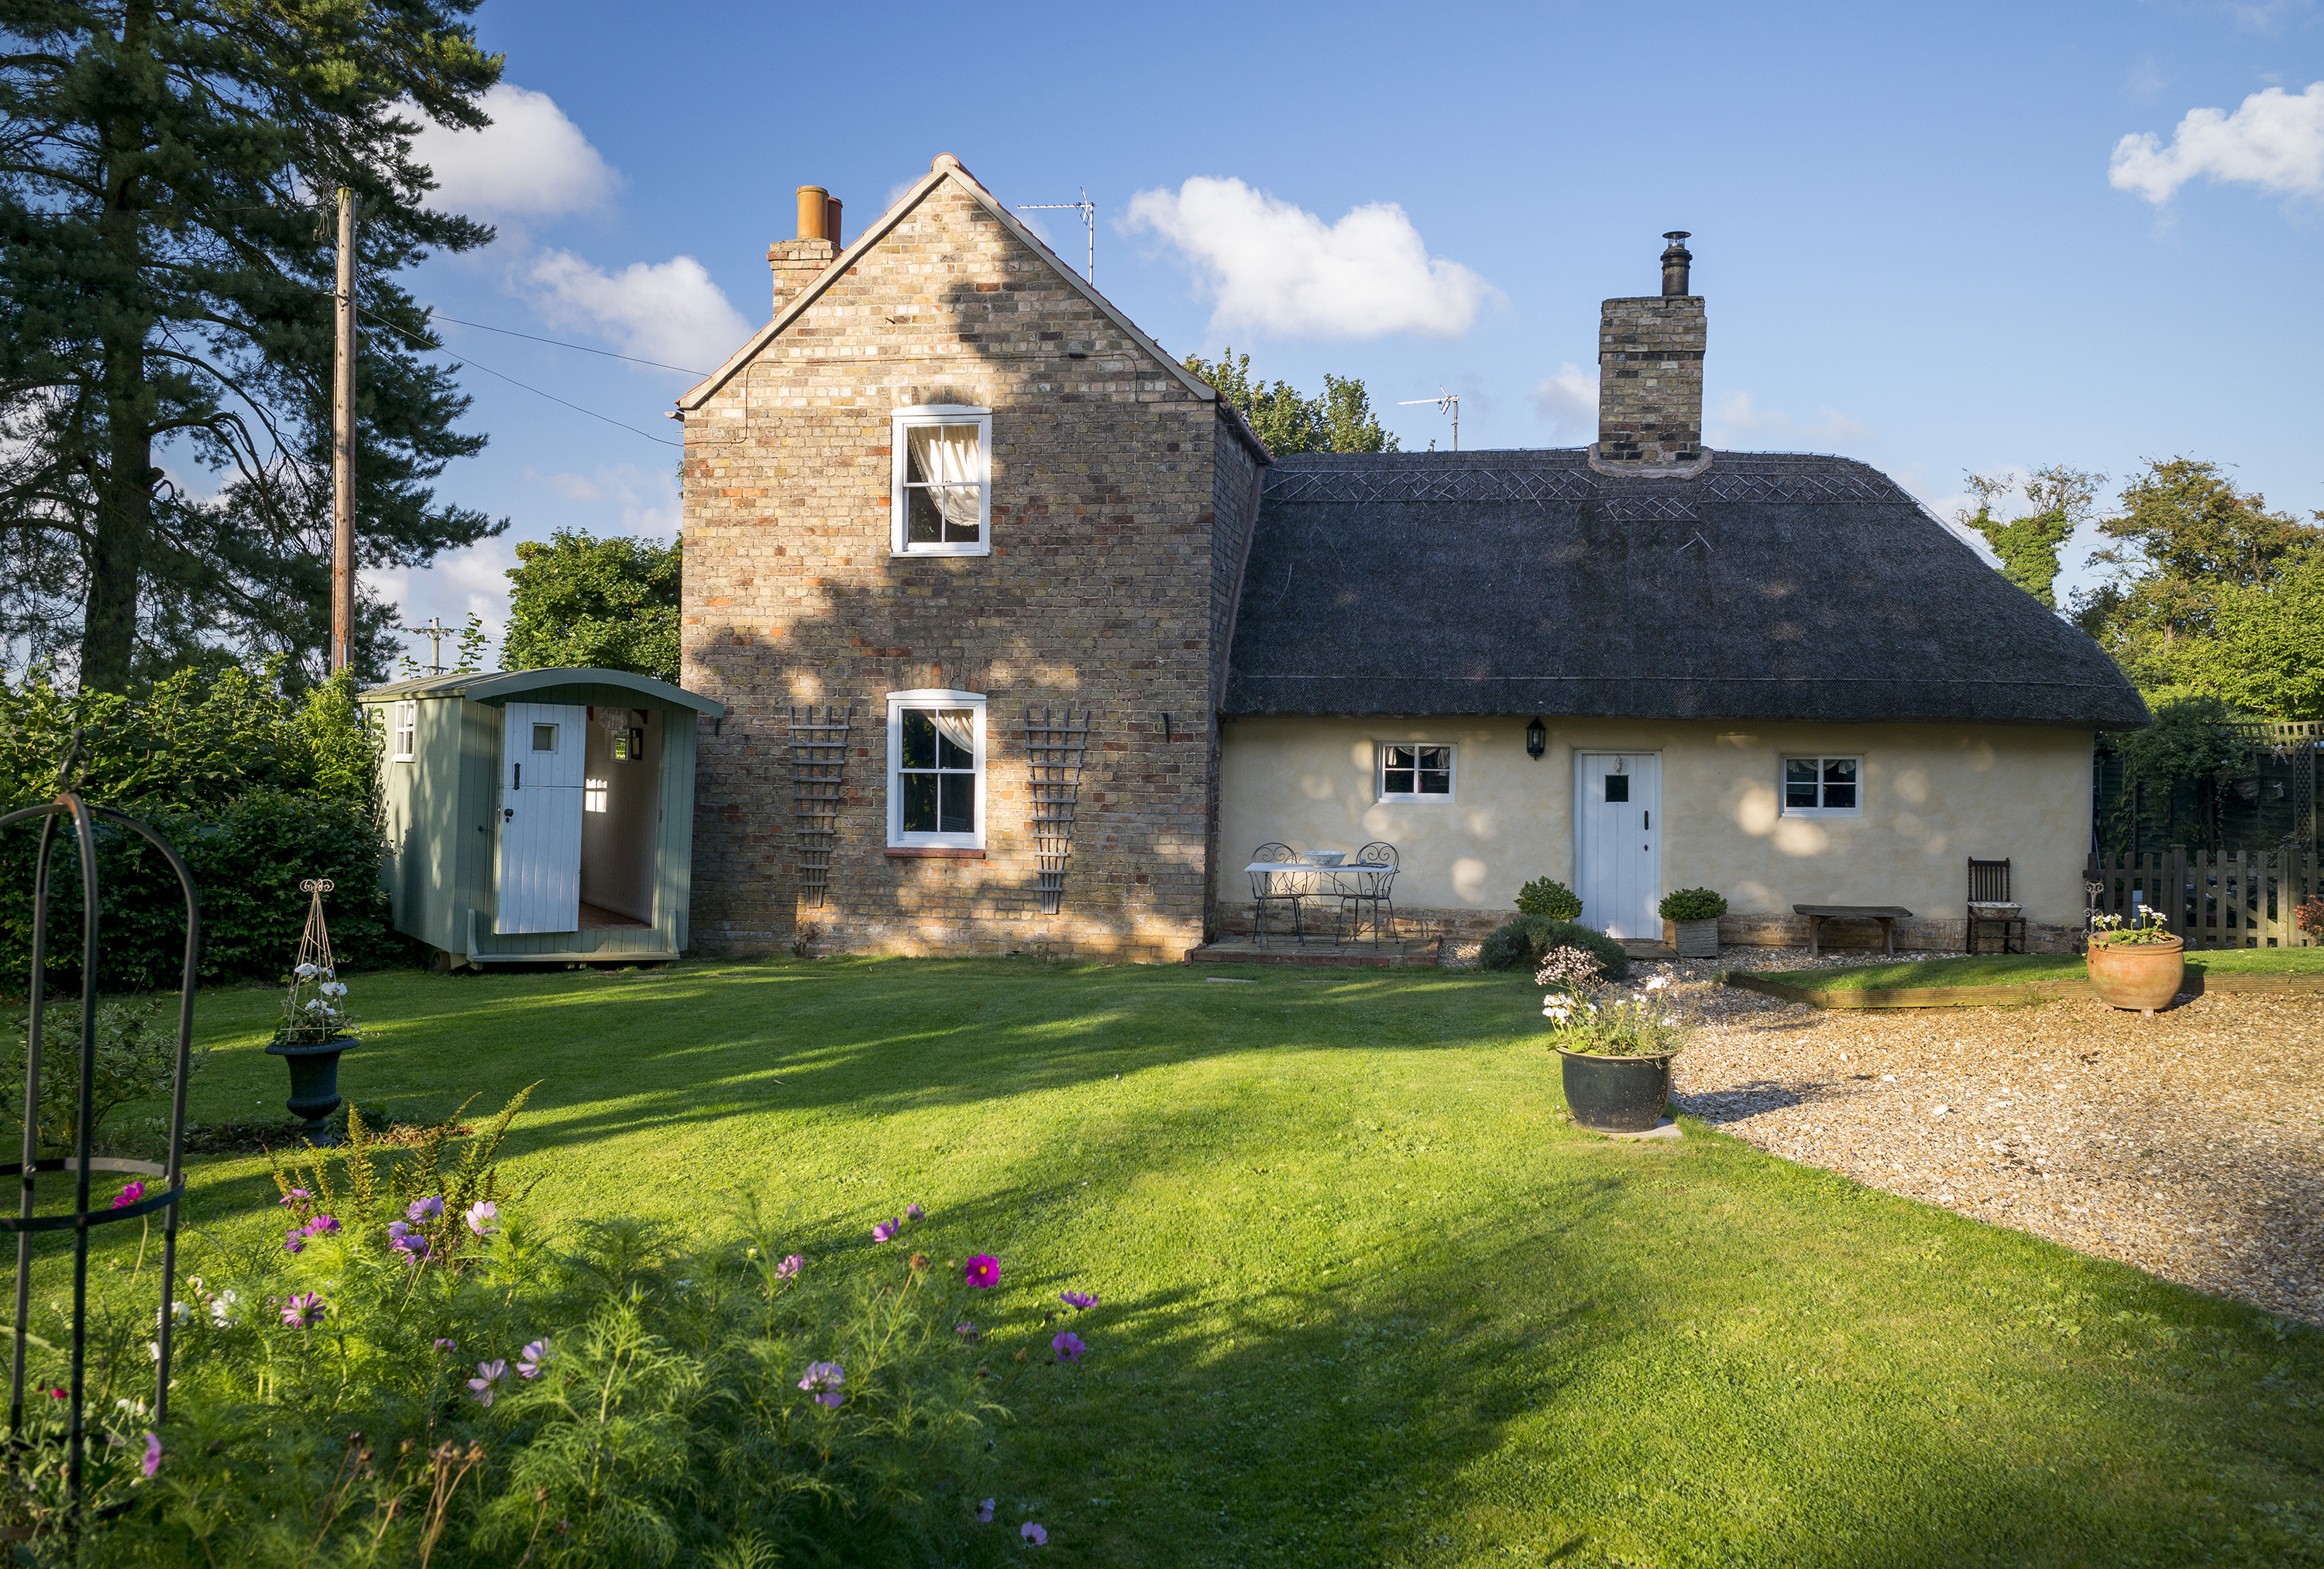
{"x": 1771, "y": 586}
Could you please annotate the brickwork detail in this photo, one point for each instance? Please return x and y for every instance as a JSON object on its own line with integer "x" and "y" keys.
{"x": 1650, "y": 380}
{"x": 1098, "y": 594}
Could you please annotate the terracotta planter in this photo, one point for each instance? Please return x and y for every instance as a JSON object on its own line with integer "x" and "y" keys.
{"x": 2144, "y": 976}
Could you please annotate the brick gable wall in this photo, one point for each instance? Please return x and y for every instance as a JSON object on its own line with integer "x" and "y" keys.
{"x": 1100, "y": 593}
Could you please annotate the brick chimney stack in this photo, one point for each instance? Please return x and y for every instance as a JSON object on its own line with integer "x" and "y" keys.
{"x": 1650, "y": 376}
{"x": 798, "y": 262}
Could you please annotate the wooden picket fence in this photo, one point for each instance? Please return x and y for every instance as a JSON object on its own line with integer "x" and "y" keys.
{"x": 2226, "y": 899}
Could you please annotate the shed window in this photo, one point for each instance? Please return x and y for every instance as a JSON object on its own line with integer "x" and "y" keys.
{"x": 936, "y": 770}
{"x": 1823, "y": 787}
{"x": 407, "y": 731}
{"x": 942, "y": 489}
{"x": 1416, "y": 773}
{"x": 544, "y": 738}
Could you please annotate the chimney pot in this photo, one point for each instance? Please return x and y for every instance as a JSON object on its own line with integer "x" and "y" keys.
{"x": 831, "y": 222}
{"x": 1675, "y": 257}
{"x": 813, "y": 213}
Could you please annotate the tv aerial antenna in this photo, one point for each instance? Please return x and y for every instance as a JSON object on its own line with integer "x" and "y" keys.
{"x": 1088, "y": 210}
{"x": 1446, "y": 403}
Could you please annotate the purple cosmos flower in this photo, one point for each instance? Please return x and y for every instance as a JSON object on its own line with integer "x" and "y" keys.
{"x": 913, "y": 1212}
{"x": 322, "y": 1225}
{"x": 1068, "y": 1347}
{"x": 396, "y": 1229}
{"x": 488, "y": 1374}
{"x": 129, "y": 1195}
{"x": 965, "y": 1329}
{"x": 423, "y": 1209}
{"x": 303, "y": 1311}
{"x": 530, "y": 1358}
{"x": 296, "y": 1195}
{"x": 789, "y": 1268}
{"x": 296, "y": 1240}
{"x": 411, "y": 1245}
{"x": 984, "y": 1511}
{"x": 823, "y": 1381}
{"x": 1034, "y": 1534}
{"x": 982, "y": 1271}
{"x": 482, "y": 1218}
{"x": 886, "y": 1229}
{"x": 447, "y": 1345}
{"x": 1077, "y": 1300}
{"x": 153, "y": 1461}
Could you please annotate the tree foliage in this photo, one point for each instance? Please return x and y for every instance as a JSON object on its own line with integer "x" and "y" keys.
{"x": 166, "y": 276}
{"x": 2205, "y": 590}
{"x": 1340, "y": 420}
{"x": 581, "y": 601}
{"x": 2060, "y": 499}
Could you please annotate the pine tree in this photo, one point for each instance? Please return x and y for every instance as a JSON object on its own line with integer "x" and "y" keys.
{"x": 165, "y": 313}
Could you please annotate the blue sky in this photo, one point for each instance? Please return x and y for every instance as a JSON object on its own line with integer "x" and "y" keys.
{"x": 1922, "y": 240}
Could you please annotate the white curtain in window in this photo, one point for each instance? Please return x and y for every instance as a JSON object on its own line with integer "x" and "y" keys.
{"x": 945, "y": 456}
{"x": 958, "y": 726}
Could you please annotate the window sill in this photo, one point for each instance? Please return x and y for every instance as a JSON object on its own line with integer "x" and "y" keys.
{"x": 1415, "y": 801}
{"x": 936, "y": 852}
{"x": 930, "y": 550}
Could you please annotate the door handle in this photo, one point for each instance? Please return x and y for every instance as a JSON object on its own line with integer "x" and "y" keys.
{"x": 520, "y": 776}
{"x": 508, "y": 814}
{"x": 1646, "y": 820}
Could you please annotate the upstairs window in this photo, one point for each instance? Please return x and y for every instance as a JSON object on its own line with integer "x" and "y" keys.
{"x": 943, "y": 481}
{"x": 1416, "y": 773}
{"x": 936, "y": 770}
{"x": 1823, "y": 787}
{"x": 407, "y": 731}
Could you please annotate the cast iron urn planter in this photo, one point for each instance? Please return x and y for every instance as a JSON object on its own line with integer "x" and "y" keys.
{"x": 314, "y": 1084}
{"x": 1615, "y": 1095}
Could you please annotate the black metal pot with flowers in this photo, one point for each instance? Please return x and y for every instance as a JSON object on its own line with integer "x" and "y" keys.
{"x": 315, "y": 1025}
{"x": 1614, "y": 1048}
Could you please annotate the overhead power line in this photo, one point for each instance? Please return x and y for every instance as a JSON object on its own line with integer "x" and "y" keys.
{"x": 557, "y": 343}
{"x": 512, "y": 381}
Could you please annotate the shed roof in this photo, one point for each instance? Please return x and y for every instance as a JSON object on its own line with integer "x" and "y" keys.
{"x": 499, "y": 686}
{"x": 1770, "y": 586}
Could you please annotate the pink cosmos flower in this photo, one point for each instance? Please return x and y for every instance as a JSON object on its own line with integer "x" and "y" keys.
{"x": 447, "y": 1345}
{"x": 322, "y": 1225}
{"x": 982, "y": 1273}
{"x": 1077, "y": 1300}
{"x": 913, "y": 1212}
{"x": 965, "y": 1330}
{"x": 129, "y": 1195}
{"x": 482, "y": 1218}
{"x": 1034, "y": 1534}
{"x": 296, "y": 1195}
{"x": 153, "y": 1461}
{"x": 530, "y": 1358}
{"x": 295, "y": 1241}
{"x": 1068, "y": 1347}
{"x": 823, "y": 1381}
{"x": 789, "y": 1267}
{"x": 303, "y": 1311}
{"x": 488, "y": 1374}
{"x": 886, "y": 1229}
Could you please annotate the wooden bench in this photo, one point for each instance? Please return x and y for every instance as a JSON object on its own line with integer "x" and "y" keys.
{"x": 1887, "y": 915}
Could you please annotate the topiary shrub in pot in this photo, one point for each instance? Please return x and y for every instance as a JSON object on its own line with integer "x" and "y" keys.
{"x": 1695, "y": 913}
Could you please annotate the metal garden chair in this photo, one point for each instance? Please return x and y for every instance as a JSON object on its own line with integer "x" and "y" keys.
{"x": 1276, "y": 888}
{"x": 1369, "y": 879}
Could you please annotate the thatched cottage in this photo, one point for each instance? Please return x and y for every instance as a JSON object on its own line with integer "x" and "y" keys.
{"x": 1024, "y": 642}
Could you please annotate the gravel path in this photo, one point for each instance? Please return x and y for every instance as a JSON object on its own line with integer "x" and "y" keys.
{"x": 2191, "y": 1144}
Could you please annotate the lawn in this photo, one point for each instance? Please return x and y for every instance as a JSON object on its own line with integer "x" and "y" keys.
{"x": 2030, "y": 969}
{"x": 1365, "y": 1296}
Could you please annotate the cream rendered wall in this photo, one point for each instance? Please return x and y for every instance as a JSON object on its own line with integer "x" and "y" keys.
{"x": 1933, "y": 796}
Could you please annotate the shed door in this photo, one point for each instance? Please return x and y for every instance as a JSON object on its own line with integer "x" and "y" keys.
{"x": 541, "y": 756}
{"x": 1618, "y": 834}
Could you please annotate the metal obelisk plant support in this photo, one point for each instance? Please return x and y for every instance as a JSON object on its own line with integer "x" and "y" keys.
{"x": 69, "y": 806}
{"x": 314, "y": 1025}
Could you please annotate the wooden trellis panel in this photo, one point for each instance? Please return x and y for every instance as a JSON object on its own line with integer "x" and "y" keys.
{"x": 1053, "y": 746}
{"x": 818, "y": 762}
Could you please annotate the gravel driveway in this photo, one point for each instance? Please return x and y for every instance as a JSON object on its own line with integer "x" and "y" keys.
{"x": 2191, "y": 1144}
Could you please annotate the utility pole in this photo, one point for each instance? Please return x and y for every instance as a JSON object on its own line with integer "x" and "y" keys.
{"x": 434, "y": 632}
{"x": 342, "y": 445}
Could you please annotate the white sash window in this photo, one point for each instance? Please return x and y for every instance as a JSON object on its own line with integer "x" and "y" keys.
{"x": 936, "y": 770}
{"x": 943, "y": 481}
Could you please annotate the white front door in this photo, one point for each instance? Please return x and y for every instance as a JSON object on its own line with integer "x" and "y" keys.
{"x": 541, "y": 759}
{"x": 1618, "y": 799}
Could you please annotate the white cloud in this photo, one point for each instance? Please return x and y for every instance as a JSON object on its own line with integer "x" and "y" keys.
{"x": 529, "y": 162}
{"x": 1568, "y": 402}
{"x": 2275, "y": 142}
{"x": 669, "y": 311}
{"x": 1275, "y": 267}
{"x": 647, "y": 501}
{"x": 1738, "y": 414}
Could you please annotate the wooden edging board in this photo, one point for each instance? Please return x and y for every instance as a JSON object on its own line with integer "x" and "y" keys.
{"x": 1988, "y": 997}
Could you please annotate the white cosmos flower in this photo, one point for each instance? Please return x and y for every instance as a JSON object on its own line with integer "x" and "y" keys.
{"x": 308, "y": 972}
{"x": 332, "y": 988}
{"x": 1658, "y": 983}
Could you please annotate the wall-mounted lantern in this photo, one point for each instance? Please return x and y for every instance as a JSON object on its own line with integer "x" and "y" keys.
{"x": 1537, "y": 739}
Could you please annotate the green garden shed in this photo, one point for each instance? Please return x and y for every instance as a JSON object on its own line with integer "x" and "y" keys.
{"x": 539, "y": 816}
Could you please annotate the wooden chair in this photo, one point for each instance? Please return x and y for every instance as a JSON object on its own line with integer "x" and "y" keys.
{"x": 1369, "y": 879}
{"x": 1276, "y": 888}
{"x": 1988, "y": 884}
